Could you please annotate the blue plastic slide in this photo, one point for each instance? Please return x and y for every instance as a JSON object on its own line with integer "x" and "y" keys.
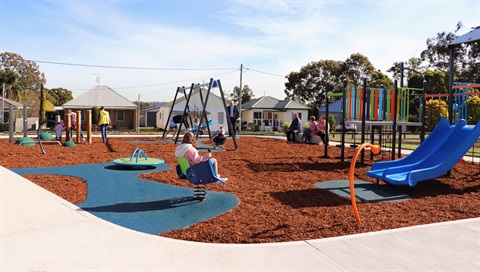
{"x": 445, "y": 146}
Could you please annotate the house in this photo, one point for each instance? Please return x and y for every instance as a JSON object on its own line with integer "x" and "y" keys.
{"x": 335, "y": 109}
{"x": 123, "y": 113}
{"x": 268, "y": 113}
{"x": 215, "y": 109}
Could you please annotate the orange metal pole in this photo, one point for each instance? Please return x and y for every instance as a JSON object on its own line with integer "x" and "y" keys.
{"x": 375, "y": 150}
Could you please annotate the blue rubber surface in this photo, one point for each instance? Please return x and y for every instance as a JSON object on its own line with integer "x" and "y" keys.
{"x": 117, "y": 195}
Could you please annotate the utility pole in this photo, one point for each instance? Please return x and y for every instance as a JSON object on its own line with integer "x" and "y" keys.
{"x": 138, "y": 116}
{"x": 240, "y": 100}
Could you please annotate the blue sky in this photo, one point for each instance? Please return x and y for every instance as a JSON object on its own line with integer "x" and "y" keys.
{"x": 187, "y": 41}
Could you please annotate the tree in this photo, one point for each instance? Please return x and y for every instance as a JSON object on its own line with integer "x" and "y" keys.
{"x": 382, "y": 80}
{"x": 59, "y": 96}
{"x": 95, "y": 115}
{"x": 466, "y": 56}
{"x": 247, "y": 94}
{"x": 308, "y": 86}
{"x": 30, "y": 79}
{"x": 8, "y": 77}
{"x": 43, "y": 99}
{"x": 412, "y": 63}
{"x": 473, "y": 109}
{"x": 437, "y": 53}
{"x": 435, "y": 110}
{"x": 356, "y": 68}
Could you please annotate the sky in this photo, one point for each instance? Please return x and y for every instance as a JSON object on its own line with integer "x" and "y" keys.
{"x": 147, "y": 48}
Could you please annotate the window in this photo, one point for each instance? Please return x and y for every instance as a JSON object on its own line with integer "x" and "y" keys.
{"x": 120, "y": 115}
{"x": 299, "y": 114}
{"x": 221, "y": 117}
{"x": 257, "y": 117}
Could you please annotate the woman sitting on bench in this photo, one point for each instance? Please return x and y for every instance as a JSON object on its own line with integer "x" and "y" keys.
{"x": 189, "y": 149}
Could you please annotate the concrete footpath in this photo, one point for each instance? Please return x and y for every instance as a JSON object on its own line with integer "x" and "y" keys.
{"x": 42, "y": 232}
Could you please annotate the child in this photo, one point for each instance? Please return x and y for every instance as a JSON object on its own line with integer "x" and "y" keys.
{"x": 189, "y": 149}
{"x": 219, "y": 138}
{"x": 196, "y": 125}
{"x": 59, "y": 131}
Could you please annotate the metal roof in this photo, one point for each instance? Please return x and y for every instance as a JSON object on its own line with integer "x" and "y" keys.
{"x": 100, "y": 96}
{"x": 270, "y": 103}
{"x": 471, "y": 36}
{"x": 333, "y": 107}
{"x": 9, "y": 102}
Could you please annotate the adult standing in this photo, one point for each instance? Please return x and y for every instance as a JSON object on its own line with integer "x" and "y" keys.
{"x": 233, "y": 114}
{"x": 295, "y": 127}
{"x": 104, "y": 122}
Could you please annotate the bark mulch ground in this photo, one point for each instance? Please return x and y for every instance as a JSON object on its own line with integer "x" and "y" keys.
{"x": 274, "y": 182}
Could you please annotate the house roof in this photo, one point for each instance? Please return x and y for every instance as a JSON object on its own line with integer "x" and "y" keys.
{"x": 181, "y": 98}
{"x": 193, "y": 109}
{"x": 469, "y": 37}
{"x": 270, "y": 103}
{"x": 100, "y": 96}
{"x": 9, "y": 102}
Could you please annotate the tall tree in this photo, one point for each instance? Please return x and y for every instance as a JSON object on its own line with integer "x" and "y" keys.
{"x": 43, "y": 100}
{"x": 437, "y": 54}
{"x": 356, "y": 68}
{"x": 8, "y": 77}
{"x": 247, "y": 94}
{"x": 412, "y": 63}
{"x": 30, "y": 79}
{"x": 59, "y": 96}
{"x": 383, "y": 80}
{"x": 308, "y": 86}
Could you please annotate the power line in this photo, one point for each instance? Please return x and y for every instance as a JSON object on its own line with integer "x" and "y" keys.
{"x": 172, "y": 82}
{"x": 264, "y": 72}
{"x": 130, "y": 67}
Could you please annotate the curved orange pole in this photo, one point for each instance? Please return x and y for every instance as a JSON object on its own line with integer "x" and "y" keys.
{"x": 375, "y": 149}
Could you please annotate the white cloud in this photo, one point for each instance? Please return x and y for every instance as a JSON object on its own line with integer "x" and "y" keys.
{"x": 276, "y": 37}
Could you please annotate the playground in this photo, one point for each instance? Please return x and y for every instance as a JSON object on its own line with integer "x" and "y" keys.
{"x": 276, "y": 184}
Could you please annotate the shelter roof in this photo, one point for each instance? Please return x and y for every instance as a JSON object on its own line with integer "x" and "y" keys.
{"x": 469, "y": 37}
{"x": 9, "y": 102}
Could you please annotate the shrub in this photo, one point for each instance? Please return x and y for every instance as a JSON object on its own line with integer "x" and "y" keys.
{"x": 285, "y": 126}
{"x": 3, "y": 127}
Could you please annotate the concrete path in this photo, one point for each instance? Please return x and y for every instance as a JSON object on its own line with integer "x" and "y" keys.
{"x": 42, "y": 232}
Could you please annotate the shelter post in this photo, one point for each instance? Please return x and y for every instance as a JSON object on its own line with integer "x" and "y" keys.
{"x": 11, "y": 124}
{"x": 25, "y": 120}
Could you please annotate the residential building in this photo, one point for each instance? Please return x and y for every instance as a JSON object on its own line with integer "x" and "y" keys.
{"x": 268, "y": 113}
{"x": 123, "y": 113}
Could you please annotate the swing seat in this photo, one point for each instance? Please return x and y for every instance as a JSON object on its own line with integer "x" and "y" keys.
{"x": 202, "y": 128}
{"x": 199, "y": 175}
{"x": 210, "y": 122}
